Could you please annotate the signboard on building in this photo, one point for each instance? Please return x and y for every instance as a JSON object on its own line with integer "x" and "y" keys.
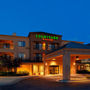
{"x": 46, "y": 37}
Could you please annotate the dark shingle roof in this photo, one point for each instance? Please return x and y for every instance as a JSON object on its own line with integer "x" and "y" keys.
{"x": 76, "y": 45}
{"x": 73, "y": 45}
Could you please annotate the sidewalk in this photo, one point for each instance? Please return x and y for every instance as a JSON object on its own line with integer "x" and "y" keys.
{"x": 73, "y": 78}
{"x": 5, "y": 80}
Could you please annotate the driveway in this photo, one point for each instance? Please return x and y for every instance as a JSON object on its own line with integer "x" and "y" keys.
{"x": 43, "y": 83}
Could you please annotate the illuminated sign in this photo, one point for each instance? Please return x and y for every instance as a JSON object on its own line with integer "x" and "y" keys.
{"x": 46, "y": 37}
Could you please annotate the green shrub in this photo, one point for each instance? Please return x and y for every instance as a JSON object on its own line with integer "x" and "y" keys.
{"x": 23, "y": 73}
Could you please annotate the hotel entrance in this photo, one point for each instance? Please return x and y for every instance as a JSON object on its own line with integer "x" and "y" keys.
{"x": 66, "y": 57}
{"x": 54, "y": 69}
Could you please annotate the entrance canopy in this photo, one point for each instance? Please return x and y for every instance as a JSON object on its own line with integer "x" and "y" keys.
{"x": 69, "y": 53}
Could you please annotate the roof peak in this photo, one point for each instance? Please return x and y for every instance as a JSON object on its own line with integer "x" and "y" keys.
{"x": 43, "y": 33}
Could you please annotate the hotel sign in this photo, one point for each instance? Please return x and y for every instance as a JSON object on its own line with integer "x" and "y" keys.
{"x": 46, "y": 37}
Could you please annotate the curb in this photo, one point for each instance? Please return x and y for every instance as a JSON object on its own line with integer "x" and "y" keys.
{"x": 73, "y": 81}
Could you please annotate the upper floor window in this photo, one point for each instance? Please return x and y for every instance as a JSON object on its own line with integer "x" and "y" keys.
{"x": 6, "y": 45}
{"x": 56, "y": 46}
{"x": 22, "y": 55}
{"x": 21, "y": 43}
{"x": 51, "y": 46}
{"x": 38, "y": 46}
{"x": 6, "y": 56}
{"x": 38, "y": 57}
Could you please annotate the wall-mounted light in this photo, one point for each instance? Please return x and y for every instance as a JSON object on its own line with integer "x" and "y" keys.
{"x": 46, "y": 64}
{"x": 44, "y": 46}
{"x": 74, "y": 63}
{"x": 53, "y": 59}
{"x": 77, "y": 57}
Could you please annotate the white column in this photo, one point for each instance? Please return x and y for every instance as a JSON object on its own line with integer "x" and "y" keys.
{"x": 66, "y": 66}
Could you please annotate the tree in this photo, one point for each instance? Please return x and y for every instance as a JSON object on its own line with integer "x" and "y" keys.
{"x": 6, "y": 62}
{"x": 9, "y": 63}
{"x": 16, "y": 63}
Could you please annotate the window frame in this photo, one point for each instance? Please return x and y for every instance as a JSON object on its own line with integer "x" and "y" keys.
{"x": 21, "y": 43}
{"x": 21, "y": 55}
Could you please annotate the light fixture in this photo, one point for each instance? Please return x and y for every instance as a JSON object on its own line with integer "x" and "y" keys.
{"x": 53, "y": 59}
{"x": 77, "y": 57}
{"x": 46, "y": 64}
{"x": 74, "y": 63}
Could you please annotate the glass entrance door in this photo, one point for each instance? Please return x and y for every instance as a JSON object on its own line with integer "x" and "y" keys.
{"x": 54, "y": 69}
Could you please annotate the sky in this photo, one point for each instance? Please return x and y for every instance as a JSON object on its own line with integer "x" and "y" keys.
{"x": 69, "y": 18}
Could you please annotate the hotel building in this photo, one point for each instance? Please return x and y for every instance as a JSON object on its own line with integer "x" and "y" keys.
{"x": 46, "y": 54}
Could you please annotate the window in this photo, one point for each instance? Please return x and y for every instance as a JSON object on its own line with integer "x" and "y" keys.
{"x": 38, "y": 46}
{"x": 51, "y": 46}
{"x": 22, "y": 55}
{"x": 38, "y": 57}
{"x": 21, "y": 43}
{"x": 6, "y": 45}
{"x": 56, "y": 45}
{"x": 6, "y": 56}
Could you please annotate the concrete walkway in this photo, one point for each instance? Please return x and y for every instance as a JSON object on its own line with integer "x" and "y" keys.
{"x": 73, "y": 78}
{"x": 5, "y": 80}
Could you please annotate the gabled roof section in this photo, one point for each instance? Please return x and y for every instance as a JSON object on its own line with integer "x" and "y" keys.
{"x": 72, "y": 45}
{"x": 76, "y": 45}
{"x": 72, "y": 41}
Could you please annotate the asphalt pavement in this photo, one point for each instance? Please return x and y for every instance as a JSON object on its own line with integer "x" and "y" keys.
{"x": 41, "y": 83}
